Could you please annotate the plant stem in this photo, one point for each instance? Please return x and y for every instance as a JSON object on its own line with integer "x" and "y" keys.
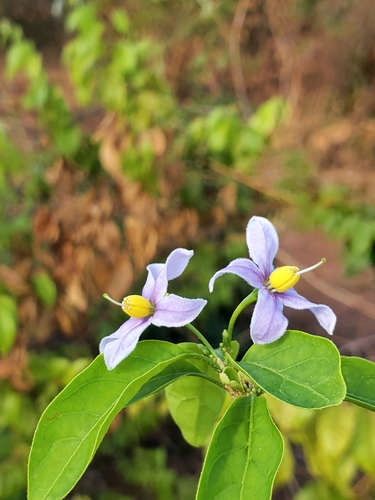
{"x": 231, "y": 362}
{"x": 246, "y": 301}
{"x": 198, "y": 334}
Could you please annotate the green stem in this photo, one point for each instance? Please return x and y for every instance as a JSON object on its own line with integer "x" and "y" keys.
{"x": 198, "y": 334}
{"x": 246, "y": 302}
{"x": 231, "y": 362}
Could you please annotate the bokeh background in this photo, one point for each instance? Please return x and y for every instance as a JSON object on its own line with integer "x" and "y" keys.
{"x": 131, "y": 127}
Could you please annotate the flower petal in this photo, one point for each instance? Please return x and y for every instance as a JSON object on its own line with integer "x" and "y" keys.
{"x": 324, "y": 314}
{"x": 177, "y": 261}
{"x": 160, "y": 286}
{"x": 268, "y": 322}
{"x": 175, "y": 264}
{"x": 120, "y": 344}
{"x": 155, "y": 269}
{"x": 173, "y": 310}
{"x": 263, "y": 243}
{"x": 148, "y": 288}
{"x": 245, "y": 269}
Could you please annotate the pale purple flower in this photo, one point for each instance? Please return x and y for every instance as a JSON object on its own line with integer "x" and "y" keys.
{"x": 165, "y": 309}
{"x": 268, "y": 322}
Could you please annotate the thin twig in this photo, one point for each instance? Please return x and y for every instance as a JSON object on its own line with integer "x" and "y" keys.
{"x": 235, "y": 58}
{"x": 253, "y": 182}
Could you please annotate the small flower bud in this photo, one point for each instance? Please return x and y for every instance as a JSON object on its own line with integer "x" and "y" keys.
{"x": 137, "y": 306}
{"x": 204, "y": 349}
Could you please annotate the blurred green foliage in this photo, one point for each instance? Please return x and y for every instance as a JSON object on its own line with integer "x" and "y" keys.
{"x": 116, "y": 58}
{"x": 8, "y": 323}
{"x": 336, "y": 444}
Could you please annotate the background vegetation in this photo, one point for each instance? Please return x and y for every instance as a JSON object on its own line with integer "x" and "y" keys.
{"x": 129, "y": 128}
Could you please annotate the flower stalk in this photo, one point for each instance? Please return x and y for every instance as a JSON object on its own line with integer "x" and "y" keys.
{"x": 241, "y": 306}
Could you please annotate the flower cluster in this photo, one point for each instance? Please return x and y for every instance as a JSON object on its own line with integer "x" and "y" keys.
{"x": 275, "y": 290}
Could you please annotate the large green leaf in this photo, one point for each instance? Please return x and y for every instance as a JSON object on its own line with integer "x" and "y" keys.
{"x": 244, "y": 454}
{"x": 359, "y": 376}
{"x": 170, "y": 374}
{"x": 72, "y": 427}
{"x": 195, "y": 405}
{"x": 300, "y": 369}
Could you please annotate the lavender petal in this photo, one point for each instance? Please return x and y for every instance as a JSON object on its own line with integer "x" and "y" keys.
{"x": 177, "y": 261}
{"x": 268, "y": 322}
{"x": 148, "y": 288}
{"x": 120, "y": 344}
{"x": 263, "y": 243}
{"x": 173, "y": 310}
{"x": 245, "y": 269}
{"x": 324, "y": 314}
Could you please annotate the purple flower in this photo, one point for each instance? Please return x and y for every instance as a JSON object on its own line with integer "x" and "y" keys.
{"x": 275, "y": 286}
{"x": 155, "y": 307}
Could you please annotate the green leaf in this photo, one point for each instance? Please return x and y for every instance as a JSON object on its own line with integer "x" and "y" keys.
{"x": 81, "y": 18}
{"x": 19, "y": 56}
{"x": 244, "y": 454}
{"x": 195, "y": 405}
{"x": 170, "y": 374}
{"x": 318, "y": 490}
{"x": 67, "y": 140}
{"x": 359, "y": 376}
{"x": 300, "y": 369}
{"x": 120, "y": 21}
{"x": 45, "y": 288}
{"x": 268, "y": 116}
{"x": 72, "y": 427}
{"x": 8, "y": 323}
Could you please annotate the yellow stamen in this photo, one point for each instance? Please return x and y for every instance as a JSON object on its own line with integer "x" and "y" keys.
{"x": 285, "y": 277}
{"x": 135, "y": 306}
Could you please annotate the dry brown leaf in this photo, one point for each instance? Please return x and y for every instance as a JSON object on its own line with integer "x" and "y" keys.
{"x": 75, "y": 296}
{"x": 108, "y": 239}
{"x": 23, "y": 267}
{"x": 67, "y": 316}
{"x": 228, "y": 198}
{"x": 144, "y": 207}
{"x": 110, "y": 158}
{"x": 331, "y": 135}
{"x": 65, "y": 266}
{"x": 142, "y": 240}
{"x": 122, "y": 277}
{"x": 45, "y": 225}
{"x": 105, "y": 127}
{"x": 53, "y": 173}
{"x": 64, "y": 321}
{"x": 172, "y": 181}
{"x": 70, "y": 213}
{"x": 102, "y": 273}
{"x": 114, "y": 140}
{"x": 219, "y": 216}
{"x": 44, "y": 325}
{"x": 179, "y": 230}
{"x": 28, "y": 311}
{"x": 15, "y": 366}
{"x": 105, "y": 202}
{"x": 46, "y": 258}
{"x": 83, "y": 258}
{"x": 157, "y": 139}
{"x": 12, "y": 280}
